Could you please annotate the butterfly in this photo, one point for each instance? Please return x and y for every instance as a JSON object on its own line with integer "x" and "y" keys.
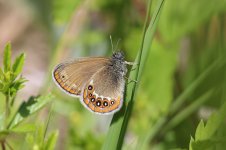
{"x": 98, "y": 81}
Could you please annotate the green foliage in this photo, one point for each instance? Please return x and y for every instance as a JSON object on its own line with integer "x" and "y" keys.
{"x": 210, "y": 136}
{"x": 10, "y": 84}
{"x": 6, "y": 58}
{"x": 181, "y": 77}
{"x": 28, "y": 108}
{"x": 36, "y": 140}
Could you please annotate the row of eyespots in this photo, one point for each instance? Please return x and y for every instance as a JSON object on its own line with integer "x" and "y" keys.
{"x": 101, "y": 103}
{"x": 98, "y": 101}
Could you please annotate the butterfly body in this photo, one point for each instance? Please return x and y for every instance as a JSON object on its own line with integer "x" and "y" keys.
{"x": 98, "y": 81}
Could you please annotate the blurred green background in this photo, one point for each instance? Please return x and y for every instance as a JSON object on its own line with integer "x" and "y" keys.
{"x": 189, "y": 44}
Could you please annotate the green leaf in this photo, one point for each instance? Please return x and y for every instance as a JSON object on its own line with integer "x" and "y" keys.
{"x": 28, "y": 108}
{"x": 199, "y": 130}
{"x": 7, "y": 58}
{"x": 205, "y": 136}
{"x": 18, "y": 64}
{"x": 24, "y": 128}
{"x": 51, "y": 141}
{"x": 203, "y": 145}
{"x": 190, "y": 144}
{"x": 17, "y": 85}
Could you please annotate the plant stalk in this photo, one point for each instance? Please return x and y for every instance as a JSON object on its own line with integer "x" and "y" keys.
{"x": 7, "y": 108}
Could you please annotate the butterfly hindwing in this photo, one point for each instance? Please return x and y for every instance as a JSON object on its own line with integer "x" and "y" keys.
{"x": 103, "y": 94}
{"x": 72, "y": 76}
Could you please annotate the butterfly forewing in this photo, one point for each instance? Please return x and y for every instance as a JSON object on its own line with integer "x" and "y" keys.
{"x": 103, "y": 94}
{"x": 72, "y": 76}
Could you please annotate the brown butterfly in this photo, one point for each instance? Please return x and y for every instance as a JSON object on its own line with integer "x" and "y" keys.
{"x": 98, "y": 81}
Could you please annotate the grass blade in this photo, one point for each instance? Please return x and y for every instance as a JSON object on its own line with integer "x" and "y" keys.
{"x": 115, "y": 136}
{"x": 188, "y": 111}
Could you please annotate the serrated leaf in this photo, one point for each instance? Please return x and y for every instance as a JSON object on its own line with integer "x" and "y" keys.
{"x": 51, "y": 141}
{"x": 7, "y": 58}
{"x": 212, "y": 125}
{"x": 29, "y": 108}
{"x": 199, "y": 130}
{"x": 18, "y": 64}
{"x": 24, "y": 128}
{"x": 205, "y": 135}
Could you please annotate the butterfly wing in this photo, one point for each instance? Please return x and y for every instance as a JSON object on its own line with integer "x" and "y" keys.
{"x": 103, "y": 93}
{"x": 71, "y": 76}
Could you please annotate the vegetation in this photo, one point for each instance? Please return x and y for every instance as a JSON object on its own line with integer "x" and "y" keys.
{"x": 178, "y": 101}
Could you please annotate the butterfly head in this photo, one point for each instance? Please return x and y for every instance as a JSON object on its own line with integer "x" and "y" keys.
{"x": 118, "y": 63}
{"x": 118, "y": 55}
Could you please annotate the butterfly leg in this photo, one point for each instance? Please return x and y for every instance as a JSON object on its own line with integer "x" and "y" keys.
{"x": 131, "y": 63}
{"x": 133, "y": 69}
{"x": 130, "y": 80}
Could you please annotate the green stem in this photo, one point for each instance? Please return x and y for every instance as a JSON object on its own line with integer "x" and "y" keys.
{"x": 7, "y": 108}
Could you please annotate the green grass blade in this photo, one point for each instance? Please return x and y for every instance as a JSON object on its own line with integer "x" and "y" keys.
{"x": 7, "y": 58}
{"x": 116, "y": 133}
{"x": 51, "y": 141}
{"x": 183, "y": 97}
{"x": 187, "y": 111}
{"x": 47, "y": 122}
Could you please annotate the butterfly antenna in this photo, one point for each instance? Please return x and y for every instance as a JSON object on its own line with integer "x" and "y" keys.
{"x": 117, "y": 43}
{"x": 112, "y": 46}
